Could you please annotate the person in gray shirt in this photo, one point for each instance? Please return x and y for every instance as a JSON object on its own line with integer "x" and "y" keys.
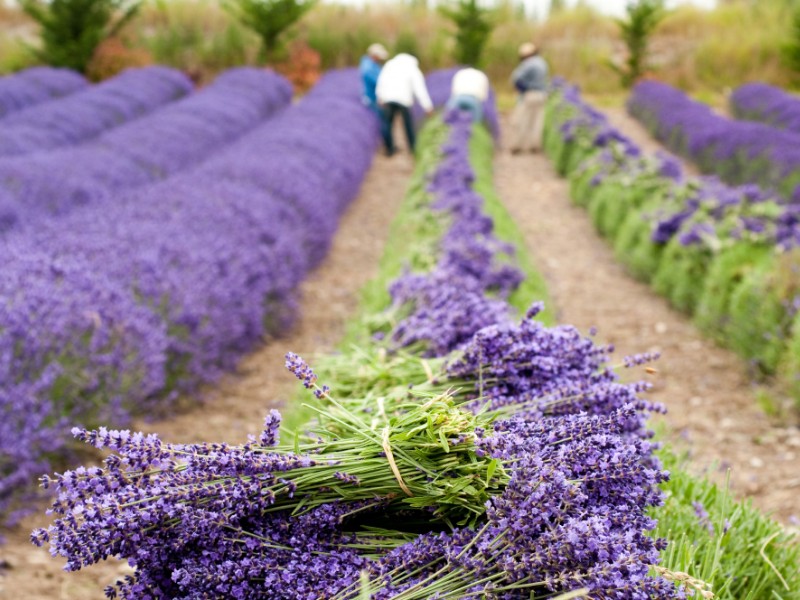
{"x": 527, "y": 120}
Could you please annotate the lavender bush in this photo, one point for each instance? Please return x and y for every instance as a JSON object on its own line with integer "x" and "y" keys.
{"x": 738, "y": 152}
{"x": 141, "y": 152}
{"x": 768, "y": 104}
{"x": 35, "y": 85}
{"x": 91, "y": 111}
{"x": 165, "y": 287}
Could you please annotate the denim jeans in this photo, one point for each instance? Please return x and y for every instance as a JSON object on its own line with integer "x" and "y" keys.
{"x": 390, "y": 109}
{"x": 379, "y": 114}
{"x": 469, "y": 104}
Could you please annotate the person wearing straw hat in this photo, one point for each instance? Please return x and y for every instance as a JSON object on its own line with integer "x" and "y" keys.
{"x": 527, "y": 120}
{"x": 370, "y": 68}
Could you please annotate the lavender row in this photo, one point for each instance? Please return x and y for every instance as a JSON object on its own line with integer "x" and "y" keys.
{"x": 738, "y": 152}
{"x": 140, "y": 152}
{"x": 726, "y": 255}
{"x": 126, "y": 307}
{"x": 35, "y": 85}
{"x": 768, "y": 104}
{"x": 569, "y": 512}
{"x": 88, "y": 113}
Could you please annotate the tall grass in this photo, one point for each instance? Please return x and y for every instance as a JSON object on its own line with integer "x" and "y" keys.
{"x": 705, "y": 52}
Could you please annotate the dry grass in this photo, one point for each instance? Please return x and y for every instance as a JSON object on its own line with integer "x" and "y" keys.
{"x": 705, "y": 52}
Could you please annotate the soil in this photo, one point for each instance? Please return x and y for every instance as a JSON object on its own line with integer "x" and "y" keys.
{"x": 713, "y": 413}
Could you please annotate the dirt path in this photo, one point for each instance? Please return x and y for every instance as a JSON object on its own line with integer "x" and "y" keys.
{"x": 712, "y": 406}
{"x": 237, "y": 405}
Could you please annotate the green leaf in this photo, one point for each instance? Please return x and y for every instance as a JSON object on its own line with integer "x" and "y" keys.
{"x": 443, "y": 440}
{"x": 491, "y": 469}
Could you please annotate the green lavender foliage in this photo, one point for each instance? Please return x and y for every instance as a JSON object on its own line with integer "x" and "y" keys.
{"x": 725, "y": 272}
{"x": 474, "y": 25}
{"x": 71, "y": 30}
{"x": 739, "y": 551}
{"x": 642, "y": 17}
{"x": 681, "y": 273}
{"x": 268, "y": 18}
{"x": 634, "y": 249}
{"x": 759, "y": 321}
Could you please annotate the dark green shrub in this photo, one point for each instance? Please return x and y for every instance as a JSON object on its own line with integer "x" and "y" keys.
{"x": 268, "y": 18}
{"x": 642, "y": 18}
{"x": 474, "y": 25}
{"x": 71, "y": 30}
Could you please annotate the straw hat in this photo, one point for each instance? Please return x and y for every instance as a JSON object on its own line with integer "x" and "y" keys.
{"x": 378, "y": 51}
{"x": 527, "y": 49}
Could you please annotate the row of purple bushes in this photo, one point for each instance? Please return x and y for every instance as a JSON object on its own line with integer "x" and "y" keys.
{"x": 139, "y": 152}
{"x": 35, "y": 85}
{"x": 737, "y": 151}
{"x": 115, "y": 311}
{"x": 768, "y": 104}
{"x": 87, "y": 113}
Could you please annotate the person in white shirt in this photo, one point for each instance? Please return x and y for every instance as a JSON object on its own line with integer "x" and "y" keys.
{"x": 468, "y": 91}
{"x": 399, "y": 84}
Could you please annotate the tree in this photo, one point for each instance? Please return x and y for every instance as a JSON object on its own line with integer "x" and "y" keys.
{"x": 71, "y": 30}
{"x": 791, "y": 50}
{"x": 642, "y": 18}
{"x": 474, "y": 25}
{"x": 268, "y": 18}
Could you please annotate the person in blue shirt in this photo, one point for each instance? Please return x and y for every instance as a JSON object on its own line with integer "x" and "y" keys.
{"x": 370, "y": 69}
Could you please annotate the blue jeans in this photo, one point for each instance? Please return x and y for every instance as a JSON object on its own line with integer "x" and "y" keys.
{"x": 390, "y": 110}
{"x": 469, "y": 104}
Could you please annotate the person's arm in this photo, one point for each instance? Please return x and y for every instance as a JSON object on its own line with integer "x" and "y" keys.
{"x": 421, "y": 90}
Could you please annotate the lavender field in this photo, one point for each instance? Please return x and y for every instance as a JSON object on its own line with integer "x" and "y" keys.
{"x": 246, "y": 353}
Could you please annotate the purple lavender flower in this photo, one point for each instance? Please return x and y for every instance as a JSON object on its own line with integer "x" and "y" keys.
{"x": 87, "y": 113}
{"x": 35, "y": 85}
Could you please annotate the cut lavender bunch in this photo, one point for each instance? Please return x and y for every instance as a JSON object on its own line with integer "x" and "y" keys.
{"x": 151, "y": 494}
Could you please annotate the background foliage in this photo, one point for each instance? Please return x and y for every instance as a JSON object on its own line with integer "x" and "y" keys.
{"x": 705, "y": 52}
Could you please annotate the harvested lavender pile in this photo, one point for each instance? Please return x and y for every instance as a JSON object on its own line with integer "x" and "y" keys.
{"x": 461, "y": 455}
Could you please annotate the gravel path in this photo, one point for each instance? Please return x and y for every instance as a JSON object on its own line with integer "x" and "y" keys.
{"x": 712, "y": 407}
{"x": 237, "y": 405}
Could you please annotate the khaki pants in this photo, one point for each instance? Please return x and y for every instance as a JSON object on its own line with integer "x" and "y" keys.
{"x": 527, "y": 122}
